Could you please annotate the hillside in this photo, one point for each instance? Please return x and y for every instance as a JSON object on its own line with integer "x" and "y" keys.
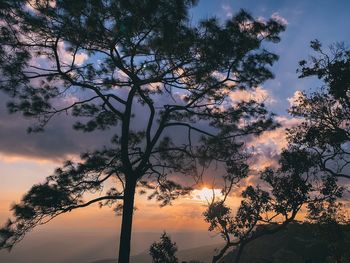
{"x": 297, "y": 244}
{"x": 203, "y": 253}
{"x": 83, "y": 247}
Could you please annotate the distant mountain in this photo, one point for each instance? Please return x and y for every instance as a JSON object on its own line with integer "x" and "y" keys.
{"x": 203, "y": 254}
{"x": 82, "y": 247}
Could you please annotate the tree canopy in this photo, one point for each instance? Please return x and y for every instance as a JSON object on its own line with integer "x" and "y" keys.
{"x": 146, "y": 72}
{"x": 164, "y": 251}
{"x": 309, "y": 170}
{"x": 324, "y": 131}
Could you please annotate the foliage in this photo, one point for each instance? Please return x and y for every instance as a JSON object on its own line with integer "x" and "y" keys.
{"x": 268, "y": 208}
{"x": 316, "y": 157}
{"x": 324, "y": 131}
{"x": 143, "y": 71}
{"x": 333, "y": 69}
{"x": 332, "y": 224}
{"x": 280, "y": 202}
{"x": 164, "y": 251}
{"x": 324, "y": 136}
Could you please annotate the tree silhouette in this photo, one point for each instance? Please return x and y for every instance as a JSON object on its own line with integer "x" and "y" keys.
{"x": 325, "y": 128}
{"x": 269, "y": 207}
{"x": 324, "y": 134}
{"x": 332, "y": 225}
{"x": 285, "y": 198}
{"x": 316, "y": 157}
{"x": 144, "y": 71}
{"x": 164, "y": 251}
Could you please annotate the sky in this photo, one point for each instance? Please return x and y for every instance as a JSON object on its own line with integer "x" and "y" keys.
{"x": 26, "y": 159}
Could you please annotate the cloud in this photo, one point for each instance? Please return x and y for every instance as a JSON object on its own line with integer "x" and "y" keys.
{"x": 268, "y": 146}
{"x": 295, "y": 99}
{"x": 228, "y": 10}
{"x": 67, "y": 56}
{"x": 58, "y": 141}
{"x": 258, "y": 94}
{"x": 276, "y": 16}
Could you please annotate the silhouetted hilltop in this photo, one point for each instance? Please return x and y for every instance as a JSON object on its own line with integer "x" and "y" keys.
{"x": 203, "y": 254}
{"x": 84, "y": 247}
{"x": 299, "y": 243}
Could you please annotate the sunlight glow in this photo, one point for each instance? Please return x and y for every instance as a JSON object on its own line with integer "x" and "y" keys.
{"x": 206, "y": 194}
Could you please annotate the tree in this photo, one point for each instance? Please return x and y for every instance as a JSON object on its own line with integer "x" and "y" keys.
{"x": 164, "y": 251}
{"x": 325, "y": 128}
{"x": 332, "y": 225}
{"x": 270, "y": 206}
{"x": 264, "y": 209}
{"x": 316, "y": 157}
{"x": 152, "y": 63}
{"x": 324, "y": 134}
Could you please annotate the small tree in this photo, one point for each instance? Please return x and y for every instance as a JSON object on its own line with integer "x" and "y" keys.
{"x": 143, "y": 59}
{"x": 332, "y": 225}
{"x": 268, "y": 208}
{"x": 316, "y": 157}
{"x": 258, "y": 207}
{"x": 325, "y": 128}
{"x": 325, "y": 133}
{"x": 164, "y": 251}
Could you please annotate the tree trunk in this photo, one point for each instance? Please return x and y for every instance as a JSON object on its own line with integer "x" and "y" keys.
{"x": 239, "y": 252}
{"x": 125, "y": 232}
{"x": 222, "y": 252}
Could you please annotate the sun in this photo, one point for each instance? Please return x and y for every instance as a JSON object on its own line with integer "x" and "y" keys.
{"x": 206, "y": 194}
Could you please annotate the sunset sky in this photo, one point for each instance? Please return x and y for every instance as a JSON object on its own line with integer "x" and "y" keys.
{"x": 26, "y": 159}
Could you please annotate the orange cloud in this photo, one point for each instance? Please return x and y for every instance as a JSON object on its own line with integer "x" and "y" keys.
{"x": 294, "y": 100}
{"x": 269, "y": 145}
{"x": 259, "y": 94}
